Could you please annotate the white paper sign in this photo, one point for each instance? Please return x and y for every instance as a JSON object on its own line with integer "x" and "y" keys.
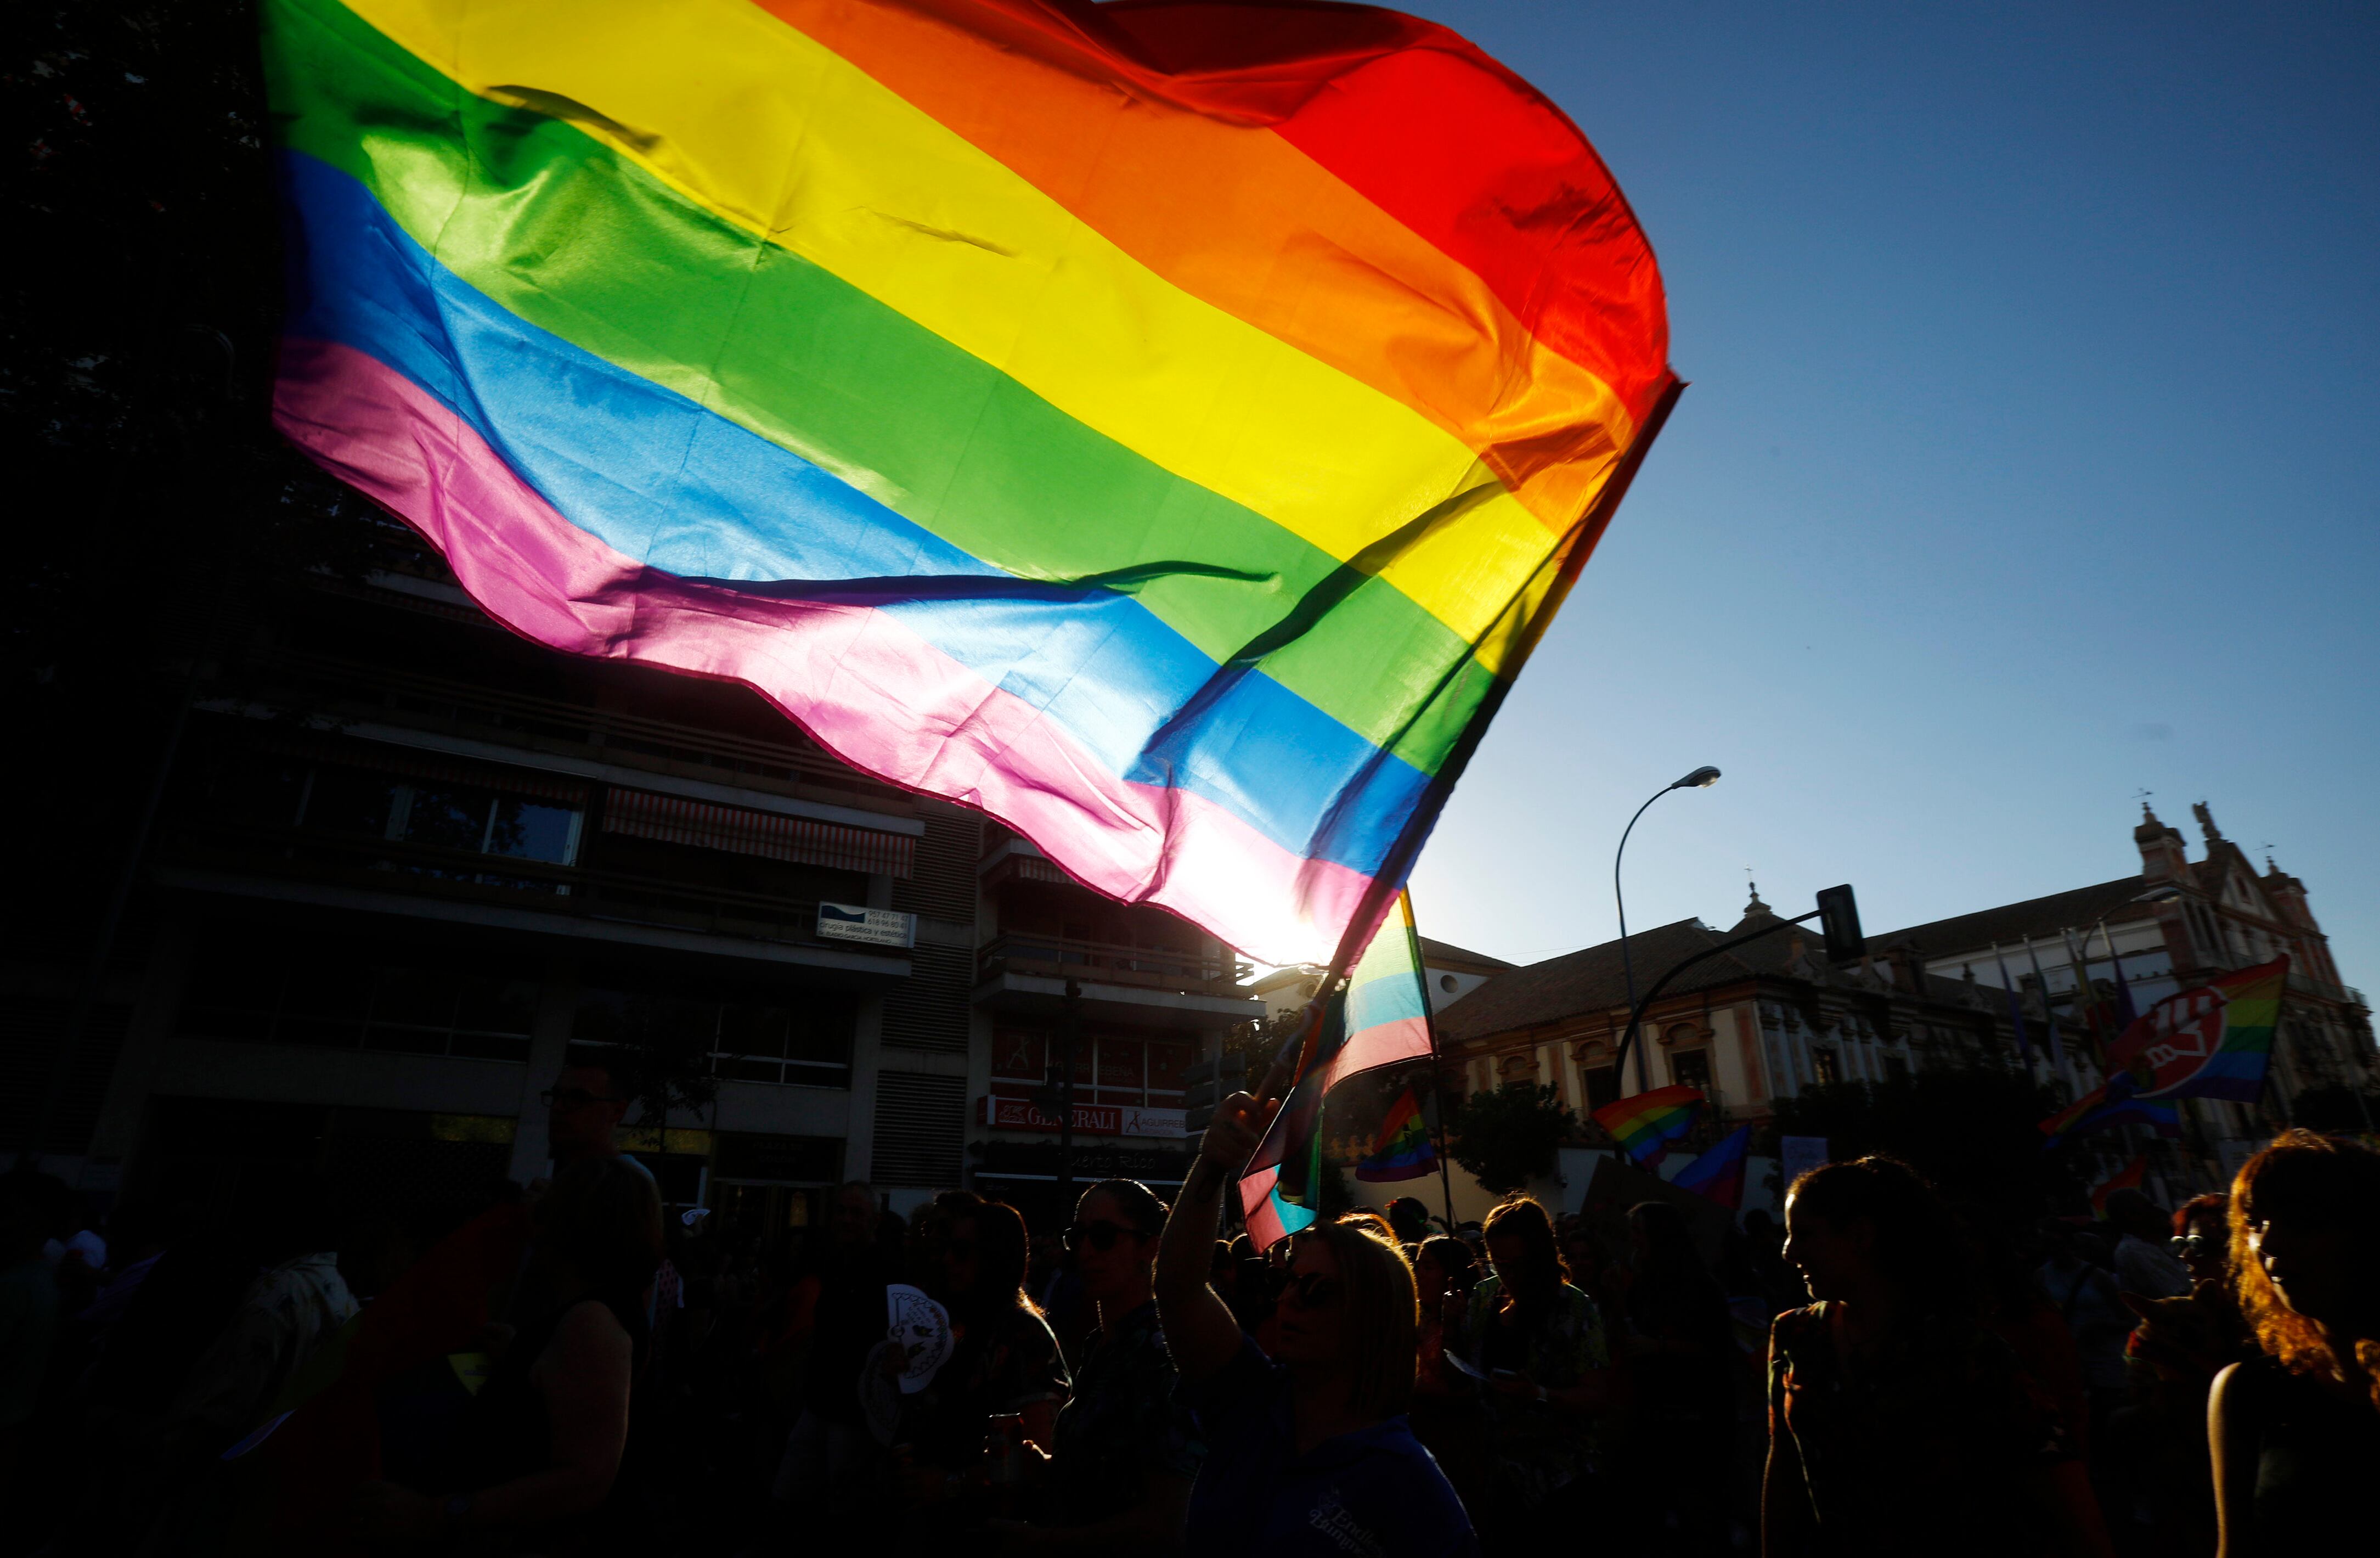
{"x": 870, "y": 926}
{"x": 921, "y": 1329}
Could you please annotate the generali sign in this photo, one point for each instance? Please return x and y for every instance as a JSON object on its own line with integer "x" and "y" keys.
{"x": 1090, "y": 1119}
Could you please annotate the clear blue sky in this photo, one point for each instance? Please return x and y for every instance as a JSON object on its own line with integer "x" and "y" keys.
{"x": 2032, "y": 458}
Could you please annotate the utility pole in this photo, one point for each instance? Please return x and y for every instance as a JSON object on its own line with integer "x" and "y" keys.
{"x": 1070, "y": 1037}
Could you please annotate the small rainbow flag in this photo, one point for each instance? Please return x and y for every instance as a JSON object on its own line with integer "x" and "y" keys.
{"x": 1401, "y": 1151}
{"x": 1719, "y": 1173}
{"x": 1646, "y": 1124}
{"x": 2214, "y": 1041}
{"x": 1381, "y": 1017}
{"x": 2125, "y": 1178}
{"x": 2113, "y": 1103}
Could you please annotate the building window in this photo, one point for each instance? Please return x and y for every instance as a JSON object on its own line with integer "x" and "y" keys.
{"x": 1602, "y": 1085}
{"x": 805, "y": 1045}
{"x": 1122, "y": 1068}
{"x": 1896, "y": 1068}
{"x": 1690, "y": 1068}
{"x": 360, "y": 803}
{"x": 325, "y": 999}
{"x": 1825, "y": 1064}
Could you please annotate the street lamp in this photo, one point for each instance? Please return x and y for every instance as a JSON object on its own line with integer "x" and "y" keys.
{"x": 1702, "y": 778}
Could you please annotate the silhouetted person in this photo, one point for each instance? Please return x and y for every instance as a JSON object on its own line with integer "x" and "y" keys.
{"x": 1307, "y": 1451}
{"x": 2296, "y": 1433}
{"x": 1897, "y": 1424}
{"x": 541, "y": 1444}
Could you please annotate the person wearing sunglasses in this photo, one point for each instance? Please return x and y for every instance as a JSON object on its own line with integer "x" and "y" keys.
{"x": 1126, "y": 1451}
{"x": 1308, "y": 1452}
{"x": 2172, "y": 1357}
{"x": 583, "y": 1111}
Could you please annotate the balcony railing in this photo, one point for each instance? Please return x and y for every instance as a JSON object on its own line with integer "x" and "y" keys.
{"x": 577, "y": 891}
{"x": 359, "y": 690}
{"x": 1189, "y": 973}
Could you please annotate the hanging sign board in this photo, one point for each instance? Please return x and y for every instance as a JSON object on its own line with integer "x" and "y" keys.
{"x": 870, "y": 926}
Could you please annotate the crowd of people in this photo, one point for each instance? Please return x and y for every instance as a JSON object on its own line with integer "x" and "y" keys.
{"x": 570, "y": 1370}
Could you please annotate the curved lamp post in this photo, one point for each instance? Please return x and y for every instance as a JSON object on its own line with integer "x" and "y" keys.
{"x": 1701, "y": 778}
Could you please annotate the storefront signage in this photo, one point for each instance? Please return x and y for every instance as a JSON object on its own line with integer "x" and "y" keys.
{"x": 1090, "y": 1119}
{"x": 870, "y": 926}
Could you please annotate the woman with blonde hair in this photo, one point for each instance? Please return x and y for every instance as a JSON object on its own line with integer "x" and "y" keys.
{"x": 2295, "y": 1434}
{"x": 1308, "y": 1450}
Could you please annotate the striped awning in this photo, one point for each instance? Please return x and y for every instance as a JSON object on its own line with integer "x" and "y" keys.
{"x": 676, "y": 819}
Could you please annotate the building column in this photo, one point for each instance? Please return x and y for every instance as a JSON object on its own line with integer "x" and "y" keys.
{"x": 117, "y": 1134}
{"x": 867, "y": 1060}
{"x": 549, "y": 1045}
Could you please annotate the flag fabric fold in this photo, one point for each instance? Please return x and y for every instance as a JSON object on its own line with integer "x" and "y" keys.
{"x": 1166, "y": 427}
{"x": 1646, "y": 1124}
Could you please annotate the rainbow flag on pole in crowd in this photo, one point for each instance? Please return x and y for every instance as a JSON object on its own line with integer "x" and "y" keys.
{"x": 2116, "y": 1101}
{"x": 1381, "y": 1018}
{"x": 1402, "y": 1150}
{"x": 2214, "y": 1041}
{"x": 1646, "y": 1124}
{"x": 2125, "y": 1178}
{"x": 1166, "y": 427}
{"x": 1719, "y": 1173}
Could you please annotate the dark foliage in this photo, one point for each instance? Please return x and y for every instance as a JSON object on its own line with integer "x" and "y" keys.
{"x": 1507, "y": 1138}
{"x": 2334, "y": 1108}
{"x": 153, "y": 500}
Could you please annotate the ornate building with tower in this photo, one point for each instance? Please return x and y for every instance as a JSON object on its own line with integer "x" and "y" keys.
{"x": 1757, "y": 1024}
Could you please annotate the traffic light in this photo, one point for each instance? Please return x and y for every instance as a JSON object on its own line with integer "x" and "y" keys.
{"x": 1838, "y": 918}
{"x": 1207, "y": 1084}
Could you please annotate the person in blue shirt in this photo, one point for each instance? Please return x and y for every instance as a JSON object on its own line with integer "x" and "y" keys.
{"x": 1308, "y": 1455}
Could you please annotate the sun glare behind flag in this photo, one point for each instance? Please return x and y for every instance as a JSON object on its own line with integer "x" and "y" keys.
{"x": 1168, "y": 428}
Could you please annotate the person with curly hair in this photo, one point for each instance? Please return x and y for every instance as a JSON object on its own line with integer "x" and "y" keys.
{"x": 2295, "y": 1433}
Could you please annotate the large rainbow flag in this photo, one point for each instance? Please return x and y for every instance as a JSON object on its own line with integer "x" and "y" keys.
{"x": 1166, "y": 426}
